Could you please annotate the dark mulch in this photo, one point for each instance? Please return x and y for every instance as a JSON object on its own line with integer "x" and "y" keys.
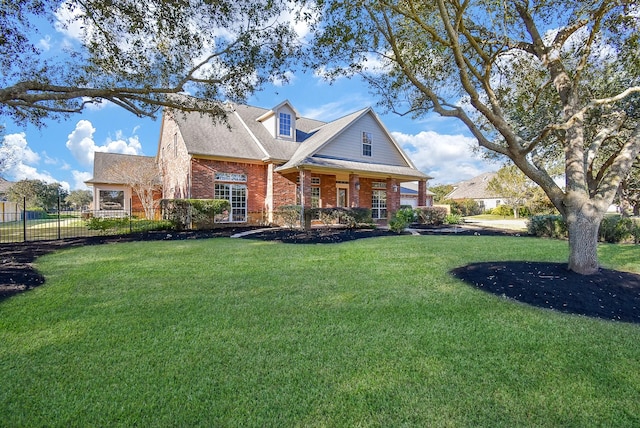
{"x": 609, "y": 294}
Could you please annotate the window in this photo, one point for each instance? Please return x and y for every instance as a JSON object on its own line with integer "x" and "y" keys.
{"x": 236, "y": 194}
{"x": 111, "y": 199}
{"x": 315, "y": 197}
{"x": 366, "y": 144}
{"x": 379, "y": 185}
{"x": 379, "y": 204}
{"x": 284, "y": 126}
{"x": 315, "y": 181}
{"x": 227, "y": 176}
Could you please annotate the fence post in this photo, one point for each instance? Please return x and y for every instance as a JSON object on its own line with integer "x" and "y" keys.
{"x": 24, "y": 219}
{"x": 58, "y": 213}
{"x": 130, "y": 214}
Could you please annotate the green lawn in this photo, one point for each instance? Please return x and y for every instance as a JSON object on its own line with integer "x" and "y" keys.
{"x": 227, "y": 332}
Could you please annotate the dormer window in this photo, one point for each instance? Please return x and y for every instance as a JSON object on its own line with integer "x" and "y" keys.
{"x": 284, "y": 124}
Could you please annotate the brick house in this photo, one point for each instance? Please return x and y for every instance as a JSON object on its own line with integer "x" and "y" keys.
{"x": 261, "y": 159}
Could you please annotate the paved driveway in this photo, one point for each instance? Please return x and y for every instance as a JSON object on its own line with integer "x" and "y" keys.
{"x": 510, "y": 224}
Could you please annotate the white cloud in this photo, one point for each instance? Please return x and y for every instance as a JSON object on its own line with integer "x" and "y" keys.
{"x": 79, "y": 177}
{"x": 289, "y": 78}
{"x": 82, "y": 146}
{"x": 447, "y": 158}
{"x": 45, "y": 43}
{"x": 19, "y": 161}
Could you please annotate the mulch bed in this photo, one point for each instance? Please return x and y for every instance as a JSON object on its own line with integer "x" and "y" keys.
{"x": 609, "y": 294}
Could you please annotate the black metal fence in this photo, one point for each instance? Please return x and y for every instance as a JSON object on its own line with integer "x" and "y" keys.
{"x": 17, "y": 224}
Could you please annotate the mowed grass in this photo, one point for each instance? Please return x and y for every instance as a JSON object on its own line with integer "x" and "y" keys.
{"x": 229, "y": 332}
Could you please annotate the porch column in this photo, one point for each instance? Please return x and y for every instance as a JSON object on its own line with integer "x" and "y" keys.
{"x": 268, "y": 200}
{"x": 305, "y": 198}
{"x": 422, "y": 193}
{"x": 393, "y": 197}
{"x": 354, "y": 190}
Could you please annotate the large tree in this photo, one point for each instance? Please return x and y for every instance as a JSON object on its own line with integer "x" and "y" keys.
{"x": 531, "y": 80}
{"x": 37, "y": 194}
{"x": 136, "y": 54}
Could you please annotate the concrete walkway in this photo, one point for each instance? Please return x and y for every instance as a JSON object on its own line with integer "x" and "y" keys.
{"x": 518, "y": 224}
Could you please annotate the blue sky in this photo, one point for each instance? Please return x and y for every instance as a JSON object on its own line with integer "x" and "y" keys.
{"x": 62, "y": 151}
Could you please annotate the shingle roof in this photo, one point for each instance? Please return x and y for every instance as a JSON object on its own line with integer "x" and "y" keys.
{"x": 245, "y": 137}
{"x": 474, "y": 188}
{"x": 103, "y": 166}
{"x": 237, "y": 138}
{"x": 5, "y": 185}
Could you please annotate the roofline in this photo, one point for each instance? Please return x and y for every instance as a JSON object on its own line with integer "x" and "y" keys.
{"x": 360, "y": 172}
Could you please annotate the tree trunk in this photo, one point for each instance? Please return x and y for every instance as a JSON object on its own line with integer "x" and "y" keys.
{"x": 583, "y": 243}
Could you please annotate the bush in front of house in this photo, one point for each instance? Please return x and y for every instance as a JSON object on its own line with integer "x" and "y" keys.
{"x": 111, "y": 225}
{"x": 198, "y": 213}
{"x": 350, "y": 217}
{"x": 615, "y": 229}
{"x": 434, "y": 216}
{"x": 401, "y": 219}
{"x": 288, "y": 215}
{"x": 453, "y": 219}
{"x": 547, "y": 226}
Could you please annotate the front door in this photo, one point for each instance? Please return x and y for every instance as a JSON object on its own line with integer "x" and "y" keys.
{"x": 342, "y": 197}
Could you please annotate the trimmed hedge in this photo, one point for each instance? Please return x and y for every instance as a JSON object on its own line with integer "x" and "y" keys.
{"x": 613, "y": 228}
{"x": 431, "y": 215}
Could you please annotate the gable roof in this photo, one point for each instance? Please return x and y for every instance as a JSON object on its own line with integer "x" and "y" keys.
{"x": 474, "y": 188}
{"x": 244, "y": 136}
{"x": 103, "y": 163}
{"x": 307, "y": 153}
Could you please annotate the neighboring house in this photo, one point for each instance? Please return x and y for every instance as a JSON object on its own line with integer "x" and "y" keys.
{"x": 112, "y": 192}
{"x": 262, "y": 159}
{"x": 476, "y": 189}
{"x": 4, "y": 188}
{"x": 9, "y": 211}
{"x": 409, "y": 195}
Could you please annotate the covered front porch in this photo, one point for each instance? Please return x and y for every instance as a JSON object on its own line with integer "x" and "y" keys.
{"x": 319, "y": 188}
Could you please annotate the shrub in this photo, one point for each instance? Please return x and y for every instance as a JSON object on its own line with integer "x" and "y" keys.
{"x": 110, "y": 225}
{"x": 401, "y": 219}
{"x": 615, "y": 228}
{"x": 464, "y": 207}
{"x": 502, "y": 210}
{"x": 398, "y": 224}
{"x": 431, "y": 215}
{"x": 200, "y": 213}
{"x": 547, "y": 226}
{"x": 635, "y": 230}
{"x": 453, "y": 219}
{"x": 288, "y": 215}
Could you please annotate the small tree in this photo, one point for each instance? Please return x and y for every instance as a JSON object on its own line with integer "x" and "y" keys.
{"x": 512, "y": 186}
{"x": 143, "y": 176}
{"x": 441, "y": 191}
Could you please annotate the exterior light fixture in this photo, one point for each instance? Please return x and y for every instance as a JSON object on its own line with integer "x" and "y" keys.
{"x": 358, "y": 186}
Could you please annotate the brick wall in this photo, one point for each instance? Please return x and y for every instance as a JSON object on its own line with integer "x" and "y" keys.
{"x": 284, "y": 189}
{"x": 202, "y": 182}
